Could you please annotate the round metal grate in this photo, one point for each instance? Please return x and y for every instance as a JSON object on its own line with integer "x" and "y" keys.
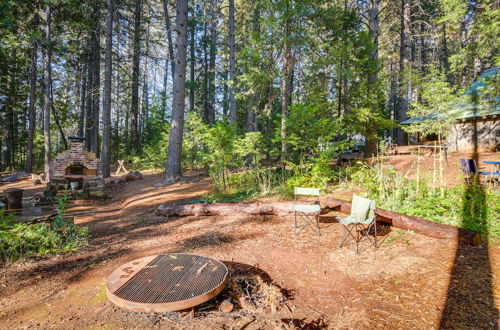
{"x": 166, "y": 282}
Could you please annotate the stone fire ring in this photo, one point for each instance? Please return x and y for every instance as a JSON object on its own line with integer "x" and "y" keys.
{"x": 166, "y": 282}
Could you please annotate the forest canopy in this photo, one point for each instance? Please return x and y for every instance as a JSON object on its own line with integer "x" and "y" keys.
{"x": 222, "y": 82}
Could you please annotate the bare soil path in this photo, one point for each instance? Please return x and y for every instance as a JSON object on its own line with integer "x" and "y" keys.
{"x": 410, "y": 282}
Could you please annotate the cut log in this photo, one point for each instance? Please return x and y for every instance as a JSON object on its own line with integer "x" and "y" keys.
{"x": 224, "y": 209}
{"x": 417, "y": 224}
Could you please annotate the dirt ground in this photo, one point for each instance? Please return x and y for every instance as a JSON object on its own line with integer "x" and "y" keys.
{"x": 410, "y": 282}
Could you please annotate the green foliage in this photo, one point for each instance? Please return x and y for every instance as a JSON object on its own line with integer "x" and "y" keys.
{"x": 310, "y": 175}
{"x": 468, "y": 206}
{"x": 248, "y": 148}
{"x": 192, "y": 144}
{"x": 436, "y": 105}
{"x": 312, "y": 131}
{"x": 220, "y": 154}
{"x": 19, "y": 240}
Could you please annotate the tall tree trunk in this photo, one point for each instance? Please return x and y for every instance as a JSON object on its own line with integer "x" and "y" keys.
{"x": 404, "y": 60}
{"x": 31, "y": 110}
{"x": 373, "y": 23}
{"x": 89, "y": 112}
{"x": 106, "y": 109}
{"x": 232, "y": 64}
{"x": 445, "y": 55}
{"x": 8, "y": 136}
{"x": 48, "y": 96}
{"x": 192, "y": 60}
{"x": 168, "y": 27}
{"x": 96, "y": 95}
{"x": 251, "y": 122}
{"x": 134, "y": 134}
{"x": 285, "y": 86}
{"x": 164, "y": 96}
{"x": 57, "y": 121}
{"x": 211, "y": 76}
{"x": 83, "y": 97}
{"x": 173, "y": 168}
{"x": 225, "y": 94}
{"x": 205, "y": 115}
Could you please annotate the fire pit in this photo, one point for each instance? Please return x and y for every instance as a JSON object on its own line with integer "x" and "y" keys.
{"x": 166, "y": 282}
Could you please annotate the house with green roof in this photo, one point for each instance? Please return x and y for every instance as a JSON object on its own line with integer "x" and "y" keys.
{"x": 476, "y": 120}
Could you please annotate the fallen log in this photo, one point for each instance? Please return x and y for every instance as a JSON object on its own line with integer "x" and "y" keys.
{"x": 224, "y": 209}
{"x": 417, "y": 224}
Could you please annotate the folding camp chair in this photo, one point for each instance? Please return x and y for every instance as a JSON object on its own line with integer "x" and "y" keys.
{"x": 470, "y": 170}
{"x": 360, "y": 222}
{"x": 306, "y": 215}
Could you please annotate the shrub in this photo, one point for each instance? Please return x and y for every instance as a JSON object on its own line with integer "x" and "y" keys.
{"x": 19, "y": 240}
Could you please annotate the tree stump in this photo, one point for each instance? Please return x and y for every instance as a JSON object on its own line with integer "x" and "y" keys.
{"x": 13, "y": 198}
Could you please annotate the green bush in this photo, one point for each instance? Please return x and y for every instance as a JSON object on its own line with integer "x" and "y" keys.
{"x": 316, "y": 174}
{"x": 19, "y": 240}
{"x": 467, "y": 206}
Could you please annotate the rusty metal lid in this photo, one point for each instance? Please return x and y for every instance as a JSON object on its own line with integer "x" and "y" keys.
{"x": 166, "y": 282}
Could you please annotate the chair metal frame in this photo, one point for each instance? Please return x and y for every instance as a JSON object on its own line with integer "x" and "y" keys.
{"x": 357, "y": 231}
{"x": 470, "y": 169}
{"x": 306, "y": 218}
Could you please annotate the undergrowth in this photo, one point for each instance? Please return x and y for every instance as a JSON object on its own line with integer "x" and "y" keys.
{"x": 469, "y": 206}
{"x": 18, "y": 240}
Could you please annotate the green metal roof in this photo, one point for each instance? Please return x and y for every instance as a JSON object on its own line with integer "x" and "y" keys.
{"x": 468, "y": 110}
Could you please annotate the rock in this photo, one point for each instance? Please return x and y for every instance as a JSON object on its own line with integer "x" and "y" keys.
{"x": 98, "y": 194}
{"x": 226, "y": 306}
{"x": 2, "y": 205}
{"x": 134, "y": 175}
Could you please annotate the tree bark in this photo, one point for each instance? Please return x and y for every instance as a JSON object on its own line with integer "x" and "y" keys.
{"x": 205, "y": 73}
{"x": 96, "y": 80}
{"x": 211, "y": 67}
{"x": 285, "y": 86}
{"x": 251, "y": 122}
{"x": 232, "y": 64}
{"x": 192, "y": 60}
{"x": 32, "y": 103}
{"x": 83, "y": 97}
{"x": 168, "y": 27}
{"x": 404, "y": 60}
{"x": 134, "y": 129}
{"x": 89, "y": 112}
{"x": 373, "y": 24}
{"x": 48, "y": 94}
{"x": 283, "y": 208}
{"x": 173, "y": 168}
{"x": 106, "y": 109}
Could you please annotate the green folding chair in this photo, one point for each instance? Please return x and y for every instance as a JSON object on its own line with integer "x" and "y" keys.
{"x": 360, "y": 222}
{"x": 306, "y": 214}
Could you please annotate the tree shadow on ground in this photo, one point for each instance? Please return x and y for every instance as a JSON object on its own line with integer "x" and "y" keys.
{"x": 470, "y": 301}
{"x": 50, "y": 268}
{"x": 213, "y": 238}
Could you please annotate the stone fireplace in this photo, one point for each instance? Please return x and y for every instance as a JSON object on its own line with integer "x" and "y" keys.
{"x": 76, "y": 172}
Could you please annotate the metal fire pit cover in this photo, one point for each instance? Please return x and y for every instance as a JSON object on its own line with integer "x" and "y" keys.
{"x": 166, "y": 282}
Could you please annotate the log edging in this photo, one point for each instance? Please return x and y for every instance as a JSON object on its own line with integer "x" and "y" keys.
{"x": 417, "y": 224}
{"x": 285, "y": 208}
